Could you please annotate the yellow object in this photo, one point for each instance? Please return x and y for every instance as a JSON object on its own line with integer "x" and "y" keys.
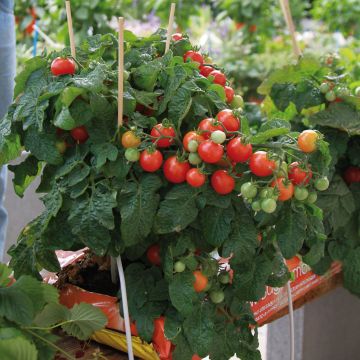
{"x": 117, "y": 341}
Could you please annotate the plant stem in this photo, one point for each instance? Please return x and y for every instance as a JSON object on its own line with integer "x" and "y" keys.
{"x": 49, "y": 343}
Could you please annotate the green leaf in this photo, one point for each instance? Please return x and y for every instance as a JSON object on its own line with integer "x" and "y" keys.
{"x": 182, "y": 293}
{"x": 93, "y": 80}
{"x": 69, "y": 94}
{"x": 177, "y": 211}
{"x": 84, "y": 320}
{"x": 339, "y": 116}
{"x": 138, "y": 204}
{"x": 43, "y": 146}
{"x": 145, "y": 76}
{"x": 291, "y": 232}
{"x": 18, "y": 348}
{"x": 216, "y": 224}
{"x": 24, "y": 174}
{"x": 92, "y": 216}
{"x": 30, "y": 66}
{"x": 80, "y": 112}
{"x": 262, "y": 137}
{"x": 199, "y": 329}
{"x": 179, "y": 106}
{"x": 104, "y": 152}
{"x": 351, "y": 271}
{"x": 52, "y": 314}
{"x": 5, "y": 273}
{"x": 64, "y": 120}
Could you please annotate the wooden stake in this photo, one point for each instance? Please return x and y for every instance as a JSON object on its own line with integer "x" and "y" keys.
{"x": 121, "y": 72}
{"x": 290, "y": 24}
{"x": 71, "y": 30}
{"x": 170, "y": 27}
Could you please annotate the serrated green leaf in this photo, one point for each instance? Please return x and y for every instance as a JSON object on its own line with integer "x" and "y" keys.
{"x": 18, "y": 348}
{"x": 104, "y": 152}
{"x": 92, "y": 80}
{"x": 262, "y": 137}
{"x": 70, "y": 94}
{"x": 5, "y": 272}
{"x": 351, "y": 271}
{"x": 64, "y": 120}
{"x": 177, "y": 211}
{"x": 52, "y": 314}
{"x": 145, "y": 76}
{"x": 84, "y": 320}
{"x": 179, "y": 106}
{"x": 138, "y": 204}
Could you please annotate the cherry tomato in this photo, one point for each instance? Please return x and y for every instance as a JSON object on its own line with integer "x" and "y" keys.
{"x": 330, "y": 96}
{"x": 307, "y": 141}
{"x": 222, "y": 182}
{"x": 200, "y": 282}
{"x": 268, "y": 205}
{"x": 206, "y": 126}
{"x": 311, "y": 199}
{"x": 79, "y": 134}
{"x": 239, "y": 25}
{"x": 238, "y": 102}
{"x": 252, "y": 28}
{"x": 324, "y": 87}
{"x": 224, "y": 278}
{"x": 238, "y": 151}
{"x": 205, "y": 70}
{"x": 322, "y": 184}
{"x": 153, "y": 254}
{"x": 229, "y": 121}
{"x": 194, "y": 159}
{"x": 63, "y": 66}
{"x": 217, "y": 296}
{"x": 151, "y": 161}
{"x": 352, "y": 175}
{"x": 218, "y": 136}
{"x": 195, "y": 177}
{"x": 229, "y": 93}
{"x": 256, "y": 206}
{"x": 132, "y": 154}
{"x": 286, "y": 189}
{"x": 261, "y": 165}
{"x": 130, "y": 140}
{"x": 61, "y": 146}
{"x": 177, "y": 36}
{"x": 301, "y": 193}
{"x": 248, "y": 190}
{"x": 147, "y": 111}
{"x": 196, "y": 357}
{"x": 299, "y": 176}
{"x": 193, "y": 56}
{"x": 192, "y": 135}
{"x": 160, "y": 130}
{"x": 210, "y": 152}
{"x": 219, "y": 77}
{"x": 179, "y": 267}
{"x": 175, "y": 170}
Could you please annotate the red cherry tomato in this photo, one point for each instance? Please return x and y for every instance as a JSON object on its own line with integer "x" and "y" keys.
{"x": 196, "y": 357}
{"x": 222, "y": 182}
{"x": 352, "y": 175}
{"x": 299, "y": 176}
{"x": 229, "y": 121}
{"x": 79, "y": 134}
{"x": 200, "y": 282}
{"x": 205, "y": 70}
{"x": 177, "y": 36}
{"x": 261, "y": 165}
{"x": 219, "y": 77}
{"x": 160, "y": 130}
{"x": 207, "y": 127}
{"x": 237, "y": 151}
{"x": 63, "y": 66}
{"x": 229, "y": 93}
{"x": 192, "y": 135}
{"x": 175, "y": 170}
{"x": 142, "y": 109}
{"x": 252, "y": 28}
{"x": 151, "y": 161}
{"x": 195, "y": 177}
{"x": 153, "y": 254}
{"x": 210, "y": 152}
{"x": 239, "y": 25}
{"x": 193, "y": 56}
{"x": 286, "y": 189}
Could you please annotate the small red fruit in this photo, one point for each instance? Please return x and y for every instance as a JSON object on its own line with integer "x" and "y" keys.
{"x": 219, "y": 77}
{"x": 237, "y": 151}
{"x": 261, "y": 165}
{"x": 205, "y": 70}
{"x": 222, "y": 182}
{"x": 79, "y": 134}
{"x": 160, "y": 130}
{"x": 193, "y": 56}
{"x": 206, "y": 126}
{"x": 175, "y": 170}
{"x": 229, "y": 93}
{"x": 151, "y": 161}
{"x": 63, "y": 66}
{"x": 299, "y": 176}
{"x": 153, "y": 254}
{"x": 177, "y": 36}
{"x": 195, "y": 177}
{"x": 229, "y": 120}
{"x": 210, "y": 152}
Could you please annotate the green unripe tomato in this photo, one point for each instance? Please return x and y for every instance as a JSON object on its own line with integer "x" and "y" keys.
{"x": 342, "y": 91}
{"x": 268, "y": 193}
{"x": 324, "y": 87}
{"x": 330, "y": 95}
{"x": 357, "y": 91}
{"x": 311, "y": 199}
{"x": 61, "y": 146}
{"x": 132, "y": 154}
{"x": 322, "y": 184}
{"x": 193, "y": 146}
{"x": 179, "y": 267}
{"x": 301, "y": 193}
{"x": 268, "y": 205}
{"x": 194, "y": 159}
{"x": 224, "y": 278}
{"x": 256, "y": 206}
{"x": 217, "y": 296}
{"x": 248, "y": 190}
{"x": 218, "y": 137}
{"x": 237, "y": 102}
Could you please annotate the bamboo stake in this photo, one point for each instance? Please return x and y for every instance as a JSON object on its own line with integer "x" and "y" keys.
{"x": 71, "y": 30}
{"x": 170, "y": 27}
{"x": 290, "y": 24}
{"x": 121, "y": 72}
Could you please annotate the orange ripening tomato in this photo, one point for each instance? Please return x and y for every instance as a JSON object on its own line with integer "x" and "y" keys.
{"x": 130, "y": 140}
{"x": 200, "y": 282}
{"x": 307, "y": 141}
{"x": 285, "y": 188}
